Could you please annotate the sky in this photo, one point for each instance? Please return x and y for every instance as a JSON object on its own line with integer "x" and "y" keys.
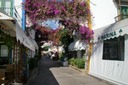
{"x": 103, "y": 13}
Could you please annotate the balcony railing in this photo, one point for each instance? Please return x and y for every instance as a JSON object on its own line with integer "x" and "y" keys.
{"x": 17, "y": 16}
{"x": 7, "y": 10}
{"x": 120, "y": 17}
{"x": 11, "y": 12}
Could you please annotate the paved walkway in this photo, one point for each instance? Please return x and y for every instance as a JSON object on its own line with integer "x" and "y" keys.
{"x": 51, "y": 73}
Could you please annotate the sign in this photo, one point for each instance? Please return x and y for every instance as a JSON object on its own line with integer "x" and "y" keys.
{"x": 109, "y": 35}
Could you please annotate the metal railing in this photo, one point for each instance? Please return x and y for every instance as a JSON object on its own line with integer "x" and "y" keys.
{"x": 120, "y": 17}
{"x": 12, "y": 12}
{"x": 17, "y": 16}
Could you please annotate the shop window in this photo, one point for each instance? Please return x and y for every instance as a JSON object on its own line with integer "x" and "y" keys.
{"x": 8, "y": 6}
{"x": 113, "y": 49}
{"x": 4, "y": 51}
{"x": 3, "y": 55}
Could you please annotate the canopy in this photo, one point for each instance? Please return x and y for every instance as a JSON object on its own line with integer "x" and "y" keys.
{"x": 5, "y": 17}
{"x": 24, "y": 39}
{"x": 7, "y": 24}
{"x": 78, "y": 45}
{"x": 116, "y": 29}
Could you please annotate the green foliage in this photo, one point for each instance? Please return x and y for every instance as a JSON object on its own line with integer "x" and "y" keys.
{"x": 46, "y": 48}
{"x": 7, "y": 39}
{"x": 80, "y": 63}
{"x": 65, "y": 38}
{"x": 63, "y": 57}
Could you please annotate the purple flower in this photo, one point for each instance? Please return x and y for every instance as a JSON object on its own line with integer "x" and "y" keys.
{"x": 56, "y": 11}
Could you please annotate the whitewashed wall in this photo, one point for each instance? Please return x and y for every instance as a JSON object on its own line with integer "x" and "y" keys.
{"x": 111, "y": 70}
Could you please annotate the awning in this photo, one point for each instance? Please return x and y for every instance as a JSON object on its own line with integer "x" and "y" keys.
{"x": 7, "y": 24}
{"x": 111, "y": 31}
{"x": 71, "y": 46}
{"x": 78, "y": 45}
{"x": 24, "y": 39}
{"x": 5, "y": 17}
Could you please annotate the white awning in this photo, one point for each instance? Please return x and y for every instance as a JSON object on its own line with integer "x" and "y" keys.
{"x": 7, "y": 24}
{"x": 24, "y": 39}
{"x": 71, "y": 46}
{"x": 78, "y": 45}
{"x": 5, "y": 17}
{"x": 111, "y": 31}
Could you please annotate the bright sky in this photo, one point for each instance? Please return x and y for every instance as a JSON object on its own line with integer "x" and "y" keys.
{"x": 103, "y": 12}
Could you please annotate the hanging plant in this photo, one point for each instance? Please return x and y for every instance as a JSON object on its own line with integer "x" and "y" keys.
{"x": 86, "y": 33}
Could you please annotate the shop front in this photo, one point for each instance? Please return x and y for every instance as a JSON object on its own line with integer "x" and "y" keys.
{"x": 110, "y": 54}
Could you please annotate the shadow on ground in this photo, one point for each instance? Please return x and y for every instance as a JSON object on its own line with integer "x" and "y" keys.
{"x": 42, "y": 74}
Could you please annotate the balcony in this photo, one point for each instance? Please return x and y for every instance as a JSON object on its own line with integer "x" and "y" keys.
{"x": 120, "y": 17}
{"x": 7, "y": 11}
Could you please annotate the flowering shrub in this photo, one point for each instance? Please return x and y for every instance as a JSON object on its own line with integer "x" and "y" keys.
{"x": 69, "y": 13}
{"x": 70, "y": 25}
{"x": 80, "y": 63}
{"x": 86, "y": 33}
{"x": 54, "y": 36}
{"x": 50, "y": 9}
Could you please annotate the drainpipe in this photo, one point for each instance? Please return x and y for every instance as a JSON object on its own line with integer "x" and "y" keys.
{"x": 23, "y": 17}
{"x": 90, "y": 44}
{"x": 119, "y": 10}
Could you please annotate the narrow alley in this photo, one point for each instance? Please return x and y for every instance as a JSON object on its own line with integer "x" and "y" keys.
{"x": 52, "y": 73}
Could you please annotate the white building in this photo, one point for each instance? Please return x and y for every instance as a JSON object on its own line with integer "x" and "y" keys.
{"x": 109, "y": 58}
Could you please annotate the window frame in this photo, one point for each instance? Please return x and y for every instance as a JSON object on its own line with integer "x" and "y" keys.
{"x": 117, "y": 48}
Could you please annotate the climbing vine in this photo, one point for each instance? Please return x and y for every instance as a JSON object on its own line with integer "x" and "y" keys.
{"x": 7, "y": 39}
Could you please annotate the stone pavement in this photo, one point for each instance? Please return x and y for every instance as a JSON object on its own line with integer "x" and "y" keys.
{"x": 51, "y": 73}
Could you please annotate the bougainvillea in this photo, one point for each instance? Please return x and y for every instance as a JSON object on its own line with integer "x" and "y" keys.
{"x": 69, "y": 25}
{"x": 86, "y": 33}
{"x": 68, "y": 12}
{"x": 54, "y": 36}
{"x": 51, "y": 9}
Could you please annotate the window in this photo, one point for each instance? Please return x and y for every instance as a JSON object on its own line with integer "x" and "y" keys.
{"x": 4, "y": 51}
{"x": 124, "y": 11}
{"x": 113, "y": 49}
{"x": 0, "y": 3}
{"x": 8, "y": 6}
